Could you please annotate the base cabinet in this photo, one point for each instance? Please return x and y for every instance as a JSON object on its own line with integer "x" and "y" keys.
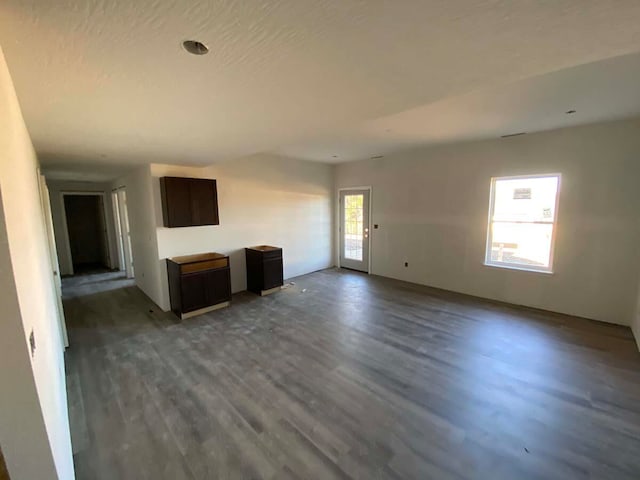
{"x": 264, "y": 269}
{"x": 198, "y": 283}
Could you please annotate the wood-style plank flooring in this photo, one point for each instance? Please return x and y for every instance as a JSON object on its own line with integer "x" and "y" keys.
{"x": 345, "y": 375}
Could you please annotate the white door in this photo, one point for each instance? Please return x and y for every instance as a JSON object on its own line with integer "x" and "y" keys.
{"x": 53, "y": 256}
{"x": 126, "y": 235}
{"x": 354, "y": 229}
{"x": 122, "y": 263}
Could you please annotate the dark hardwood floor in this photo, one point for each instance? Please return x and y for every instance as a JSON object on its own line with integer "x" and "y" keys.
{"x": 345, "y": 375}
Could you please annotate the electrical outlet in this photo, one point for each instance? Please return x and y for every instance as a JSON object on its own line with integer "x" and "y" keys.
{"x": 32, "y": 343}
{"x": 406, "y": 264}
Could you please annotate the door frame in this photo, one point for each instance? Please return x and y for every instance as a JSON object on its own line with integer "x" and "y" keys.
{"x": 47, "y": 217}
{"x": 67, "y": 241}
{"x": 339, "y": 225}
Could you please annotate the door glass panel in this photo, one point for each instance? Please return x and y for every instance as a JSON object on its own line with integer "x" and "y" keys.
{"x": 353, "y": 226}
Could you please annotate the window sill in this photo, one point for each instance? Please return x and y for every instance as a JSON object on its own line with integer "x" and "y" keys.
{"x": 515, "y": 267}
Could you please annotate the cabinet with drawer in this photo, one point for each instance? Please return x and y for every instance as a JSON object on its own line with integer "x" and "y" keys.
{"x": 264, "y": 269}
{"x": 199, "y": 283}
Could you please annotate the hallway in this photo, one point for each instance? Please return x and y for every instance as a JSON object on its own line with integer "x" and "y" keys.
{"x": 98, "y": 281}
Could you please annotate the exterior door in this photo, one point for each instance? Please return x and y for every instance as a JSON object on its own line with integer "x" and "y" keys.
{"x": 354, "y": 229}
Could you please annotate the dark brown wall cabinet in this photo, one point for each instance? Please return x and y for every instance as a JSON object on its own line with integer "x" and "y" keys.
{"x": 189, "y": 202}
{"x": 198, "y": 283}
{"x": 264, "y": 269}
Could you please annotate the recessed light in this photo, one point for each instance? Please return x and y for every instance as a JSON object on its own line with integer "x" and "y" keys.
{"x": 569, "y": 112}
{"x": 194, "y": 47}
{"x": 513, "y": 135}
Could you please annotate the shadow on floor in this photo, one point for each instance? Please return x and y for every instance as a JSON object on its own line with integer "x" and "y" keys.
{"x": 94, "y": 282}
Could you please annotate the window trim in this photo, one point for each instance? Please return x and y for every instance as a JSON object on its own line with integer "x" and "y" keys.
{"x": 510, "y": 266}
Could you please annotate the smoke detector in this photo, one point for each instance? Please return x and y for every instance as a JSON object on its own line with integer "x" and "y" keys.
{"x": 195, "y": 48}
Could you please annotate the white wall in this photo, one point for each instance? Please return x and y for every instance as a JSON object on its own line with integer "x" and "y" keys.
{"x": 432, "y": 208}
{"x": 142, "y": 226}
{"x": 262, "y": 200}
{"x": 34, "y": 426}
{"x": 56, "y": 190}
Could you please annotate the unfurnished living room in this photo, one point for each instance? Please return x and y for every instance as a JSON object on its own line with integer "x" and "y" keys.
{"x": 279, "y": 239}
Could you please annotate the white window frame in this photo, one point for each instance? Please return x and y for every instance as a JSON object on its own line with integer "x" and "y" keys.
{"x": 527, "y": 268}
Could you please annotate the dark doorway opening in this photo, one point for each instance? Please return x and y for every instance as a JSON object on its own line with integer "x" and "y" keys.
{"x": 87, "y": 228}
{"x": 4, "y": 473}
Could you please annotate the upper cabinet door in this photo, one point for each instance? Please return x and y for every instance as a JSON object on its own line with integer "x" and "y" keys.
{"x": 204, "y": 202}
{"x": 188, "y": 202}
{"x": 176, "y": 201}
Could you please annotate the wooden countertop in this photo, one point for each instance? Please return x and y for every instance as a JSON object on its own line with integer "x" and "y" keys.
{"x": 199, "y": 257}
{"x": 264, "y": 248}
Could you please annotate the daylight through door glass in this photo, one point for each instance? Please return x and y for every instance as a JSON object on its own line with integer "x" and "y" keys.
{"x": 353, "y": 226}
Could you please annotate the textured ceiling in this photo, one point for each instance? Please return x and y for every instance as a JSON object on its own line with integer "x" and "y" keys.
{"x": 107, "y": 83}
{"x": 594, "y": 92}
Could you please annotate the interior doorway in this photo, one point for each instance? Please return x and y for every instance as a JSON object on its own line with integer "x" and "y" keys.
{"x": 123, "y": 234}
{"x": 354, "y": 228}
{"x": 4, "y": 473}
{"x": 86, "y": 227}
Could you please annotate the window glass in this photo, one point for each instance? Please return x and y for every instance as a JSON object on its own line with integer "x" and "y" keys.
{"x": 522, "y": 222}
